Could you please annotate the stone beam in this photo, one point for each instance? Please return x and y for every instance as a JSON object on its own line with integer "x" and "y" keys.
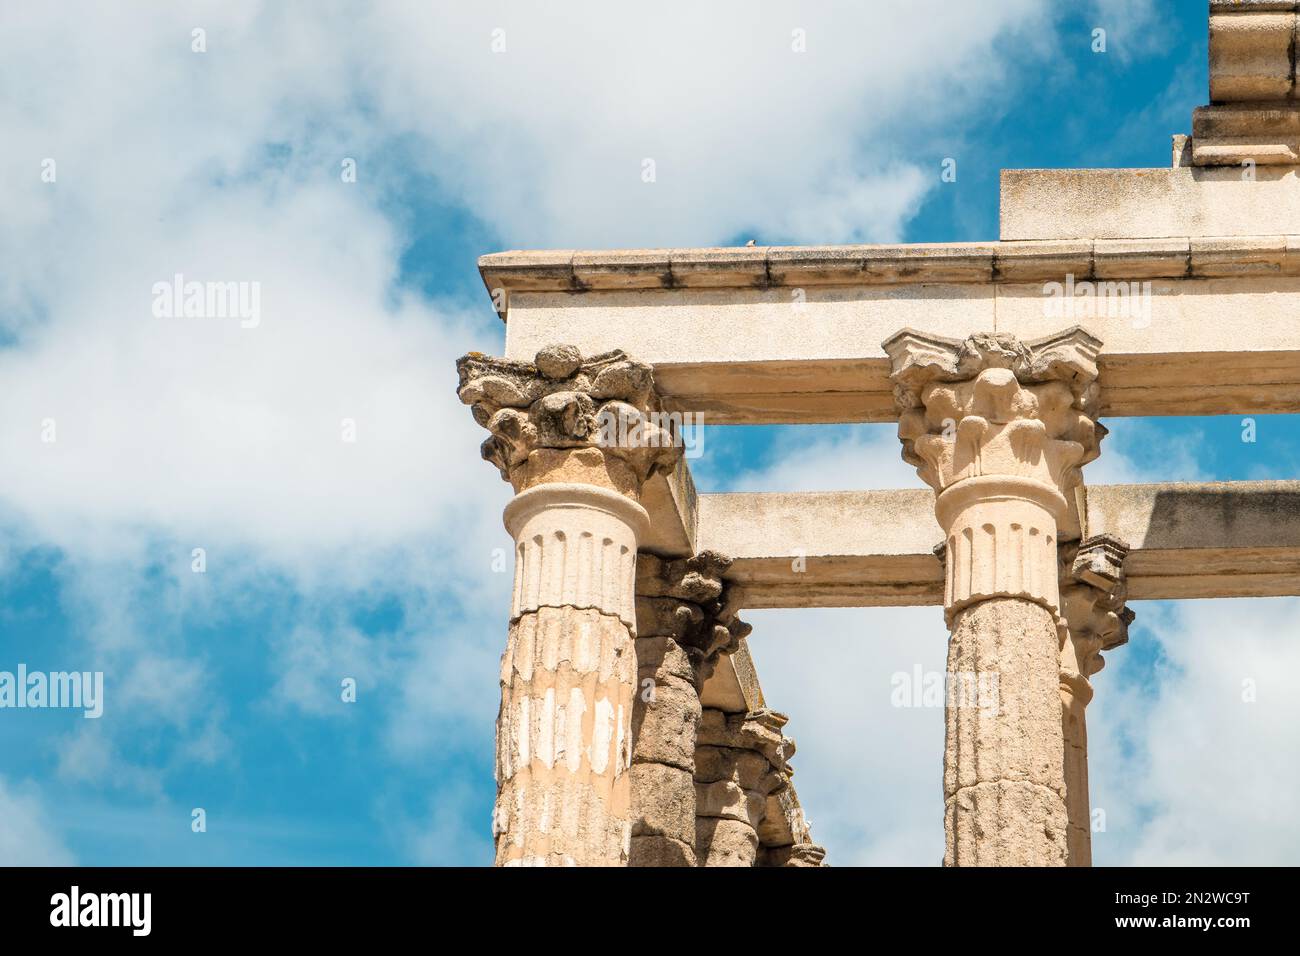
{"x": 828, "y": 549}
{"x": 1176, "y": 203}
{"x": 875, "y": 548}
{"x": 794, "y": 335}
{"x": 670, "y": 499}
{"x": 1218, "y": 539}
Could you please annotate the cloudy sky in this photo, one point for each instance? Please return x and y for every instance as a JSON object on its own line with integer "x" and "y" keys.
{"x": 353, "y": 161}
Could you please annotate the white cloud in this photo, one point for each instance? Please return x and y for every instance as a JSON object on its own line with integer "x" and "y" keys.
{"x": 746, "y": 134}
{"x": 1132, "y": 27}
{"x": 839, "y": 458}
{"x": 224, "y": 165}
{"x": 1199, "y": 767}
{"x": 26, "y": 838}
{"x": 1138, "y": 450}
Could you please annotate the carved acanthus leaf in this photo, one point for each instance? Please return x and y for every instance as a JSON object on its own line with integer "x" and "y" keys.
{"x": 561, "y": 400}
{"x": 689, "y": 600}
{"x": 992, "y": 405}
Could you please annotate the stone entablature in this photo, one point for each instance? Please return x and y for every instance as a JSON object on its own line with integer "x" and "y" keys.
{"x": 1189, "y": 539}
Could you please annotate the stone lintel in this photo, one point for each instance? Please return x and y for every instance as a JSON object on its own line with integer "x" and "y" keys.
{"x": 876, "y": 548}
{"x": 1172, "y": 346}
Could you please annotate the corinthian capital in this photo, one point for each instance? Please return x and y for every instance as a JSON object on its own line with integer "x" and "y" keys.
{"x": 993, "y": 405}
{"x": 562, "y": 413}
{"x": 999, "y": 428}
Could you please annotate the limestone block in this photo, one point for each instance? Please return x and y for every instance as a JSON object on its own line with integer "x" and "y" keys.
{"x": 727, "y": 799}
{"x": 783, "y": 820}
{"x": 1162, "y": 203}
{"x": 711, "y": 268}
{"x": 799, "y": 855}
{"x": 1228, "y": 133}
{"x": 1238, "y": 256}
{"x": 664, "y": 727}
{"x": 1141, "y": 258}
{"x": 748, "y": 769}
{"x": 725, "y": 842}
{"x": 664, "y": 802}
{"x": 662, "y": 656}
{"x": 661, "y": 851}
{"x": 757, "y": 730}
{"x": 1250, "y": 55}
{"x": 636, "y": 269}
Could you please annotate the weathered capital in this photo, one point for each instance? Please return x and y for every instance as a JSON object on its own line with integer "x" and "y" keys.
{"x": 565, "y": 418}
{"x": 1093, "y": 605}
{"x": 999, "y": 429}
{"x": 689, "y": 600}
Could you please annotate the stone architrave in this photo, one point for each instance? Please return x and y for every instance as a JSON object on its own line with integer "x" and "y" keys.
{"x": 576, "y": 438}
{"x": 1093, "y": 596}
{"x": 999, "y": 429}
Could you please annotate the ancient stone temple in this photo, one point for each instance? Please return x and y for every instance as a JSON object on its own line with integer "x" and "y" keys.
{"x": 632, "y": 728}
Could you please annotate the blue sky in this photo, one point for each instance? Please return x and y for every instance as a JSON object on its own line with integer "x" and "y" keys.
{"x": 373, "y": 559}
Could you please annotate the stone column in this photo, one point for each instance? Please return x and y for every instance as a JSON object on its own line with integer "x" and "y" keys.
{"x": 576, "y": 439}
{"x": 1093, "y": 595}
{"x": 999, "y": 429}
{"x": 741, "y": 760}
{"x": 685, "y": 619}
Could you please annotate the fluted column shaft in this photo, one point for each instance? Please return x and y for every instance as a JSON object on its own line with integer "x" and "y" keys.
{"x": 999, "y": 429}
{"x": 1004, "y": 790}
{"x": 577, "y": 439}
{"x": 568, "y": 676}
